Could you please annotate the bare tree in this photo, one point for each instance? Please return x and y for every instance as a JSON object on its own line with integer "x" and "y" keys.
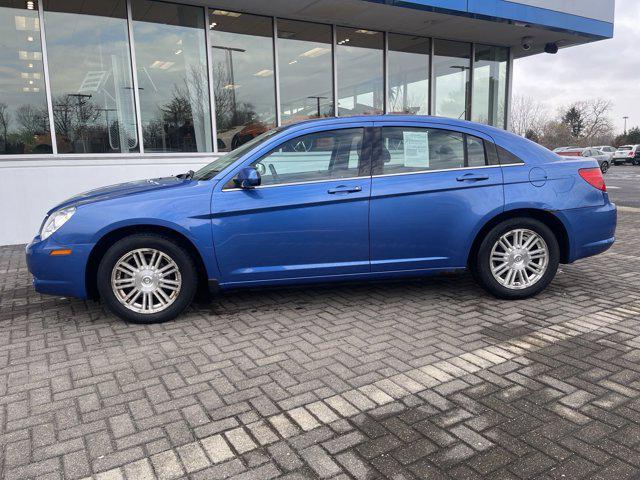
{"x": 5, "y": 118}
{"x": 527, "y": 116}
{"x": 597, "y": 124}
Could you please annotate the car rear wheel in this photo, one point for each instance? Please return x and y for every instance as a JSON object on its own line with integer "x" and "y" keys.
{"x": 517, "y": 259}
{"x": 147, "y": 278}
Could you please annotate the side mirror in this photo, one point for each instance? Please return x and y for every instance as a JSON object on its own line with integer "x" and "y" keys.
{"x": 248, "y": 177}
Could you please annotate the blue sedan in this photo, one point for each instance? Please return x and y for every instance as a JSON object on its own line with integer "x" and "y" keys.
{"x": 330, "y": 200}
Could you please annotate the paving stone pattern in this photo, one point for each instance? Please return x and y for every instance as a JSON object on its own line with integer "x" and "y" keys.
{"x": 422, "y": 379}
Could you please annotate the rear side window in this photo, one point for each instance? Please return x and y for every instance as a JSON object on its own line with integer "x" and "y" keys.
{"x": 411, "y": 150}
{"x": 508, "y": 158}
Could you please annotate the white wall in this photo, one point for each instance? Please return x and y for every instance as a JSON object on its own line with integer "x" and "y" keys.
{"x": 603, "y": 10}
{"x": 30, "y": 187}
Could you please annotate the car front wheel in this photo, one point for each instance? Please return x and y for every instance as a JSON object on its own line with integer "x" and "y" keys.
{"x": 604, "y": 167}
{"x": 517, "y": 259}
{"x": 146, "y": 278}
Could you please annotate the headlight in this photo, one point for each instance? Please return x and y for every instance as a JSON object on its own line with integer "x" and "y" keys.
{"x": 55, "y": 221}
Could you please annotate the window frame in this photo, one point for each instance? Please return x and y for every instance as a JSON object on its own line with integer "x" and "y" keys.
{"x": 377, "y": 170}
{"x": 366, "y": 156}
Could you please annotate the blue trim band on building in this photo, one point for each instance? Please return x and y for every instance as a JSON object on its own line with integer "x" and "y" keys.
{"x": 503, "y": 10}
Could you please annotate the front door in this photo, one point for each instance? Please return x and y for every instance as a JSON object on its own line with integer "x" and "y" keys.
{"x": 431, "y": 190}
{"x": 308, "y": 218}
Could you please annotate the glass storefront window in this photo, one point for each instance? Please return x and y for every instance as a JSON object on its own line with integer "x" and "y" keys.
{"x": 243, "y": 76}
{"x": 490, "y": 85}
{"x": 408, "y": 64}
{"x": 90, "y": 75}
{"x": 171, "y": 58}
{"x": 305, "y": 70}
{"x": 360, "y": 66}
{"x": 451, "y": 65}
{"x": 24, "y": 117}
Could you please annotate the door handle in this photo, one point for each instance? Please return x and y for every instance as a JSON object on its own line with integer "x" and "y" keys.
{"x": 473, "y": 177}
{"x": 344, "y": 189}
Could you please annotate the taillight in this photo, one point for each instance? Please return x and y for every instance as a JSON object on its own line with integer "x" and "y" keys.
{"x": 631, "y": 154}
{"x": 593, "y": 176}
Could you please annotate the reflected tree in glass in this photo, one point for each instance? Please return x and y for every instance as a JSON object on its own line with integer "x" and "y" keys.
{"x": 243, "y": 76}
{"x": 24, "y": 118}
{"x": 91, "y": 77}
{"x": 171, "y": 60}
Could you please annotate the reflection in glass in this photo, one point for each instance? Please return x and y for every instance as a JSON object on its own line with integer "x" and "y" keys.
{"x": 90, "y": 74}
{"x": 490, "y": 85}
{"x": 24, "y": 120}
{"x": 171, "y": 59}
{"x": 451, "y": 65}
{"x": 243, "y": 78}
{"x": 408, "y": 63}
{"x": 304, "y": 60}
{"x": 359, "y": 55}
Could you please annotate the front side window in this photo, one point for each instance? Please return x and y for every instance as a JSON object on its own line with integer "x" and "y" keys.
{"x": 24, "y": 119}
{"x": 243, "y": 76}
{"x": 328, "y": 155}
{"x": 171, "y": 58}
{"x": 412, "y": 150}
{"x": 91, "y": 77}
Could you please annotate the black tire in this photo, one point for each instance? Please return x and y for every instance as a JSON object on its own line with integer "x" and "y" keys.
{"x": 481, "y": 264}
{"x": 179, "y": 255}
{"x": 604, "y": 168}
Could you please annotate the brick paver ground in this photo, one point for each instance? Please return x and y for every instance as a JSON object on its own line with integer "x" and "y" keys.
{"x": 424, "y": 379}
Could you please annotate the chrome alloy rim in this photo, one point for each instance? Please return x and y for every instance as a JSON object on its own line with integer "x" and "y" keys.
{"x": 146, "y": 280}
{"x": 519, "y": 259}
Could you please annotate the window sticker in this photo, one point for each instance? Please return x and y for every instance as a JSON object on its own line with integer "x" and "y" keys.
{"x": 416, "y": 149}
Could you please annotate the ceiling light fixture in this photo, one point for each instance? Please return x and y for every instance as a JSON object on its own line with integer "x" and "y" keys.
{"x": 263, "y": 73}
{"x": 315, "y": 52}
{"x": 31, "y": 5}
{"x": 226, "y": 13}
{"x": 367, "y": 32}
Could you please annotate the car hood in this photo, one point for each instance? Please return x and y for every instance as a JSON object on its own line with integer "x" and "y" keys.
{"x": 122, "y": 190}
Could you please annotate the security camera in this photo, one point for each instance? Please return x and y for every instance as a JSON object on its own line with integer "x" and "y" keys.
{"x": 527, "y": 43}
{"x": 551, "y": 48}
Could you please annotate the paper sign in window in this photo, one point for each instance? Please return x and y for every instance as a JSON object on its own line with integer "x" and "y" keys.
{"x": 416, "y": 149}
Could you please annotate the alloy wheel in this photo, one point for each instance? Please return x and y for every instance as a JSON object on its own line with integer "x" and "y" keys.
{"x": 146, "y": 280}
{"x": 519, "y": 259}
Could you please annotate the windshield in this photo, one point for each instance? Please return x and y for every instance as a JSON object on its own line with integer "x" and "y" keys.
{"x": 209, "y": 171}
{"x": 626, "y": 148}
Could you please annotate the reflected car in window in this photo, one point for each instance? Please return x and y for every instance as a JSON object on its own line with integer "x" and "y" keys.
{"x": 358, "y": 198}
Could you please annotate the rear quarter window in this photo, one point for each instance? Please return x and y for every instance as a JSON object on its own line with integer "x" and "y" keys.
{"x": 508, "y": 158}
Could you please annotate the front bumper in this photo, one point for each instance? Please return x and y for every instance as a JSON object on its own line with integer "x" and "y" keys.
{"x": 591, "y": 230}
{"x": 58, "y": 275}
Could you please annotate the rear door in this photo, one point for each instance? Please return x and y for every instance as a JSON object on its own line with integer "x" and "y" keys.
{"x": 433, "y": 188}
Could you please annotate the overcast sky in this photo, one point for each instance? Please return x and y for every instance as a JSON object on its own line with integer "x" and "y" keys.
{"x": 608, "y": 69}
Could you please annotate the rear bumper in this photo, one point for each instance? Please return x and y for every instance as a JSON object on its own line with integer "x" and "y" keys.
{"x": 58, "y": 275}
{"x": 591, "y": 230}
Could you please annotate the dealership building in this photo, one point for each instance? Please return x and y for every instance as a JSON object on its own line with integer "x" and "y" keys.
{"x": 100, "y": 92}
